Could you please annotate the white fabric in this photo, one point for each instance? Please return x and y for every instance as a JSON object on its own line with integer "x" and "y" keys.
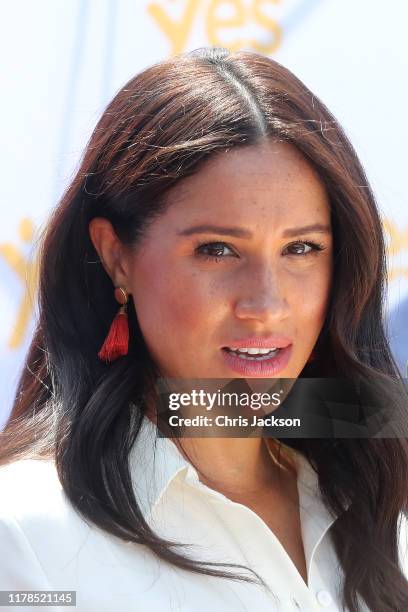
{"x": 46, "y": 545}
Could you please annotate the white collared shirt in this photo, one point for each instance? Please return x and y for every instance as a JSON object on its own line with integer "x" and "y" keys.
{"x": 46, "y": 545}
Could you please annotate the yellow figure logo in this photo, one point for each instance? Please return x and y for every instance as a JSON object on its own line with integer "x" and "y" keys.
{"x": 27, "y": 271}
{"x": 240, "y": 14}
{"x": 398, "y": 242}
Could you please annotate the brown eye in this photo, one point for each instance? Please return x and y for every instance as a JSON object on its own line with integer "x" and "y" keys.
{"x": 214, "y": 250}
{"x": 303, "y": 248}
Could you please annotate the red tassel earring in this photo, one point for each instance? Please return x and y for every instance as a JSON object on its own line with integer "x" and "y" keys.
{"x": 117, "y": 341}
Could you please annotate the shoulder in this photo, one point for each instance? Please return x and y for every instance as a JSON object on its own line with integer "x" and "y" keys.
{"x": 47, "y": 545}
{"x": 30, "y": 486}
{"x": 26, "y": 471}
{"x": 31, "y": 492}
{"x": 38, "y": 524}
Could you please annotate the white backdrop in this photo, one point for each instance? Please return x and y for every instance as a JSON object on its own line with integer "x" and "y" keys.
{"x": 63, "y": 60}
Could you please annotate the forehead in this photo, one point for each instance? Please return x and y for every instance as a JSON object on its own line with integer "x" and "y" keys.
{"x": 258, "y": 183}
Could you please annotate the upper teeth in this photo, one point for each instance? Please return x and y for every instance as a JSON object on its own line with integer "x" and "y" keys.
{"x": 252, "y": 351}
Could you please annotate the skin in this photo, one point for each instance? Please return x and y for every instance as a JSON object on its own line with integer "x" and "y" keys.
{"x": 262, "y": 284}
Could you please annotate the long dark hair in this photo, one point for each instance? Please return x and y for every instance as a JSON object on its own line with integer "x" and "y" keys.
{"x": 160, "y": 127}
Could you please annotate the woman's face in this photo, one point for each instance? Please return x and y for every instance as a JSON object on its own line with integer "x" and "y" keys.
{"x": 242, "y": 258}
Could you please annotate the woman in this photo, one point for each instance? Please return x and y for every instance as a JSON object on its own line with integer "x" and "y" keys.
{"x": 222, "y": 207}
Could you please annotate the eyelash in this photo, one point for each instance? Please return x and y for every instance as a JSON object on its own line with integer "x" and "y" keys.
{"x": 315, "y": 246}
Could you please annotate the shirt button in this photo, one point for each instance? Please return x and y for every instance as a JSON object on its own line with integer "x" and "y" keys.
{"x": 324, "y": 598}
{"x": 296, "y": 603}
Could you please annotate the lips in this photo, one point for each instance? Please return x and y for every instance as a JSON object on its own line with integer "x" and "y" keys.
{"x": 272, "y": 341}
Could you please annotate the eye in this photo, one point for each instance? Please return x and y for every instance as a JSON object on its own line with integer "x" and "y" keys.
{"x": 304, "y": 248}
{"x": 214, "y": 251}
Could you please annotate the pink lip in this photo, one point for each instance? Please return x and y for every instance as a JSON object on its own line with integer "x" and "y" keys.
{"x": 269, "y": 367}
{"x": 259, "y": 342}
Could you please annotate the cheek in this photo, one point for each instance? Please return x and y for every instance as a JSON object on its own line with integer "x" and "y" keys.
{"x": 313, "y": 309}
{"x": 310, "y": 300}
{"x": 171, "y": 299}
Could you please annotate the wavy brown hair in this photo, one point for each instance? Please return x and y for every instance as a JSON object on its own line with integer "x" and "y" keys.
{"x": 159, "y": 128}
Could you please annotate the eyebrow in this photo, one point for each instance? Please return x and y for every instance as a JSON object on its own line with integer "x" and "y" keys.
{"x": 239, "y": 232}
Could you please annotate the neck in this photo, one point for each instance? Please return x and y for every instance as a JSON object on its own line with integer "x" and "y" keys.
{"x": 237, "y": 467}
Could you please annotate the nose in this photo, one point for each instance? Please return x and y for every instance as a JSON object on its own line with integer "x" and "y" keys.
{"x": 262, "y": 296}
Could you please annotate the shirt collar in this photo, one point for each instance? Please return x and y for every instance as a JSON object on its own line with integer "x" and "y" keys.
{"x": 156, "y": 461}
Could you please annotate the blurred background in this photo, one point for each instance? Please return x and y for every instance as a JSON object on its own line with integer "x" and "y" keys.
{"x": 63, "y": 61}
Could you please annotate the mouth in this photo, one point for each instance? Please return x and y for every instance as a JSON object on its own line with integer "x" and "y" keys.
{"x": 253, "y": 354}
{"x": 257, "y": 361}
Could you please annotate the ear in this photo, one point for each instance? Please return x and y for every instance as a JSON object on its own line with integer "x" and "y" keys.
{"x": 110, "y": 250}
